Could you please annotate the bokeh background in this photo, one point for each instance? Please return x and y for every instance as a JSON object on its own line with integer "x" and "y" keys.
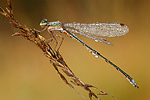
{"x": 26, "y": 74}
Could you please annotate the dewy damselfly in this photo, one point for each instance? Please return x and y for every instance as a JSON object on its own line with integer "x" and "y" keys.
{"x": 94, "y": 31}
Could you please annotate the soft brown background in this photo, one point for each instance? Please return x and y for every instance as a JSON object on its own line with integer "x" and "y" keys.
{"x": 26, "y": 74}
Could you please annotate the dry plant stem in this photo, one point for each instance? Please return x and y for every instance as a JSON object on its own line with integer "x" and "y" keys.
{"x": 54, "y": 56}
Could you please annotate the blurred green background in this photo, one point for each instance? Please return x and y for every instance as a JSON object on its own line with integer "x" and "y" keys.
{"x": 26, "y": 74}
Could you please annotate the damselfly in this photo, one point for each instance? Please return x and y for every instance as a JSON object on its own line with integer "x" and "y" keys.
{"x": 93, "y": 30}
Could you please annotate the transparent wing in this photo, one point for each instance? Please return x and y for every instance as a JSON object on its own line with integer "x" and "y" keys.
{"x": 90, "y": 36}
{"x": 100, "y": 29}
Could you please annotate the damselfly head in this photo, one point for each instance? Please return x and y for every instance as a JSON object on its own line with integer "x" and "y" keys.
{"x": 43, "y": 22}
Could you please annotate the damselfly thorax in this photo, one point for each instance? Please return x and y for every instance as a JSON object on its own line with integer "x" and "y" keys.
{"x": 55, "y": 26}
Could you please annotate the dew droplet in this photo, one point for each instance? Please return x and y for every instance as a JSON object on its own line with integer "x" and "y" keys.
{"x": 96, "y": 56}
{"x": 96, "y": 40}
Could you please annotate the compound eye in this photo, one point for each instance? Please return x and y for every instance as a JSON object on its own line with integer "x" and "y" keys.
{"x": 44, "y": 20}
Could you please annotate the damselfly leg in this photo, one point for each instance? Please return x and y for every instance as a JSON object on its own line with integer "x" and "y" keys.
{"x": 60, "y": 42}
